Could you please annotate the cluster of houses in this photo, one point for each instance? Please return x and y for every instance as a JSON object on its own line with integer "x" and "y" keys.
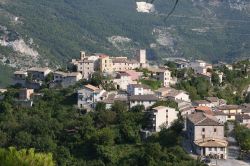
{"x": 204, "y": 119}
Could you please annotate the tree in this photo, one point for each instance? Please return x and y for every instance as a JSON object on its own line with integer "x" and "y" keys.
{"x": 24, "y": 157}
{"x": 167, "y": 103}
{"x": 119, "y": 107}
{"x": 105, "y": 118}
{"x": 96, "y": 79}
{"x": 138, "y": 108}
{"x": 247, "y": 100}
{"x": 100, "y": 106}
{"x": 215, "y": 79}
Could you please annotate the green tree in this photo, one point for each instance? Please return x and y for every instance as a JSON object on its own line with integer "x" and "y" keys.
{"x": 247, "y": 100}
{"x": 24, "y": 157}
{"x": 215, "y": 79}
{"x": 100, "y": 106}
{"x": 138, "y": 108}
{"x": 119, "y": 107}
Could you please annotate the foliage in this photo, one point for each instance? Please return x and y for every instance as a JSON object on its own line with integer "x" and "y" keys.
{"x": 103, "y": 137}
{"x": 137, "y": 108}
{"x": 247, "y": 100}
{"x": 243, "y": 137}
{"x": 197, "y": 87}
{"x": 215, "y": 79}
{"x": 24, "y": 157}
{"x": 119, "y": 107}
{"x": 167, "y": 103}
{"x": 153, "y": 84}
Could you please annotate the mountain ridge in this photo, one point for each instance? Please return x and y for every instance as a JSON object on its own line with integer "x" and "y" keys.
{"x": 216, "y": 30}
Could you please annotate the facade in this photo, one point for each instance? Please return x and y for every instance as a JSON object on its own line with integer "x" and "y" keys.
{"x": 243, "y": 119}
{"x": 215, "y": 101}
{"x": 206, "y": 135}
{"x": 222, "y": 118}
{"x": 161, "y": 117}
{"x": 134, "y": 74}
{"x": 89, "y": 96}
{"x": 230, "y": 110}
{"x": 146, "y": 100}
{"x": 66, "y": 79}
{"x": 245, "y": 108}
{"x": 38, "y": 74}
{"x": 105, "y": 63}
{"x": 86, "y": 65}
{"x": 205, "y": 103}
{"x": 163, "y": 75}
{"x": 122, "y": 81}
{"x": 178, "y": 95}
{"x": 19, "y": 78}
{"x": 139, "y": 89}
{"x": 200, "y": 67}
{"x": 141, "y": 56}
{"x": 25, "y": 94}
{"x": 112, "y": 97}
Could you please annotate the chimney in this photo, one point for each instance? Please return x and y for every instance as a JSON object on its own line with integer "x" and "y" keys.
{"x": 82, "y": 55}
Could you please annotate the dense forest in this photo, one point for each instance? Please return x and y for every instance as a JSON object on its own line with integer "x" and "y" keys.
{"x": 103, "y": 137}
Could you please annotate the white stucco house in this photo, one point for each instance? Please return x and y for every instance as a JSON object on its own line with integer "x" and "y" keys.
{"x": 89, "y": 96}
{"x": 139, "y": 89}
{"x": 161, "y": 117}
{"x": 146, "y": 100}
{"x": 122, "y": 80}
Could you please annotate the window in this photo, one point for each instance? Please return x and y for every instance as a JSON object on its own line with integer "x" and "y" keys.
{"x": 210, "y": 149}
{"x": 229, "y": 116}
{"x": 203, "y": 129}
{"x": 221, "y": 149}
{"x": 215, "y": 149}
{"x": 215, "y": 130}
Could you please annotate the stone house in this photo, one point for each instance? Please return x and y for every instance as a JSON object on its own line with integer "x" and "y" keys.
{"x": 206, "y": 135}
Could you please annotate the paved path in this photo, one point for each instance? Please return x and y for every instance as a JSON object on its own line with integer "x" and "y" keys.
{"x": 229, "y": 162}
{"x": 233, "y": 148}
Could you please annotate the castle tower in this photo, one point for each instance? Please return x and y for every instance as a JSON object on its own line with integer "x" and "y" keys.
{"x": 82, "y": 55}
{"x": 141, "y": 57}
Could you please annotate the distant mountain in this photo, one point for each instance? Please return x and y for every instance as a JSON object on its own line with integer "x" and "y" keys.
{"x": 50, "y": 32}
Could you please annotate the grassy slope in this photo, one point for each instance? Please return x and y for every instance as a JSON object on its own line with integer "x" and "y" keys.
{"x": 63, "y": 27}
{"x": 5, "y": 76}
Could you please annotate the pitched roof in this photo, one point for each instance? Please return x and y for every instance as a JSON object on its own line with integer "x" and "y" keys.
{"x": 174, "y": 93}
{"x": 73, "y": 74}
{"x": 159, "y": 108}
{"x": 119, "y": 60}
{"x": 241, "y": 117}
{"x": 228, "y": 107}
{"x": 212, "y": 99}
{"x": 20, "y": 72}
{"x": 201, "y": 119}
{"x": 140, "y": 86}
{"x": 163, "y": 89}
{"x": 3, "y": 90}
{"x": 38, "y": 69}
{"x": 91, "y": 87}
{"x": 204, "y": 109}
{"x": 143, "y": 98}
{"x": 211, "y": 142}
{"x": 201, "y": 102}
{"x": 219, "y": 113}
{"x": 60, "y": 73}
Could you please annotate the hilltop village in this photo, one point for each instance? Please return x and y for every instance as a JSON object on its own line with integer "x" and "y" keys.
{"x": 208, "y": 99}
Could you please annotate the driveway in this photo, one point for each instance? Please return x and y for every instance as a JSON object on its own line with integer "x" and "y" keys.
{"x": 233, "y": 148}
{"x": 229, "y": 162}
